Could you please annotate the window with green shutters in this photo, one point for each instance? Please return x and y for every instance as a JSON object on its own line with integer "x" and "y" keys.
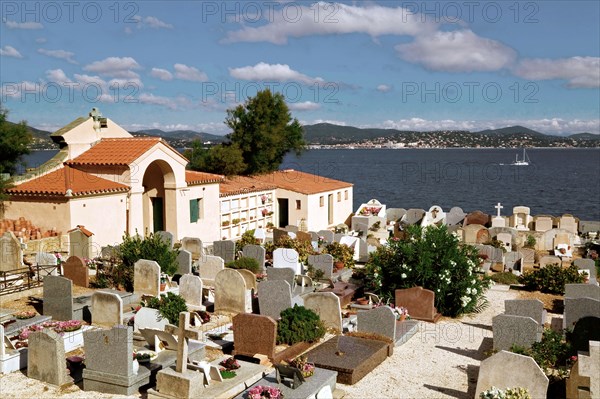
{"x": 194, "y": 212}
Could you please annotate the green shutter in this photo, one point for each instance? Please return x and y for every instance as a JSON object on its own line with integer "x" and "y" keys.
{"x": 193, "y": 211}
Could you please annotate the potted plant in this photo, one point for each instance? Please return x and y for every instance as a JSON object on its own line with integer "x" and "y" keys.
{"x": 163, "y": 283}
{"x": 225, "y": 223}
{"x": 301, "y": 363}
{"x": 341, "y": 253}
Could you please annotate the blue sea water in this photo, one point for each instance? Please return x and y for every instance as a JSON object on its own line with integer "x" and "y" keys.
{"x": 557, "y": 181}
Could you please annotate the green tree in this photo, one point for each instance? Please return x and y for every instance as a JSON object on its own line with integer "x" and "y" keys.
{"x": 223, "y": 158}
{"x": 14, "y": 142}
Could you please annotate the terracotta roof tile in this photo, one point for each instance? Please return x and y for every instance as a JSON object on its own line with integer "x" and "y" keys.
{"x": 59, "y": 181}
{"x": 192, "y": 178}
{"x": 81, "y": 228}
{"x": 242, "y": 185}
{"x": 120, "y": 151}
{"x": 302, "y": 182}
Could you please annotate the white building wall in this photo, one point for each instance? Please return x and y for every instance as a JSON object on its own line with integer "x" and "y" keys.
{"x": 207, "y": 227}
{"x": 247, "y": 209}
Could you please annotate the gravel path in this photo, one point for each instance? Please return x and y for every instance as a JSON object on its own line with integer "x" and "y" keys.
{"x": 440, "y": 361}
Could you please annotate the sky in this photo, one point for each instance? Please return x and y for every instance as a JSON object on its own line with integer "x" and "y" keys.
{"x": 414, "y": 65}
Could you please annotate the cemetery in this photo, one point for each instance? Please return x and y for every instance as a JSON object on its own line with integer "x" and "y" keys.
{"x": 396, "y": 303}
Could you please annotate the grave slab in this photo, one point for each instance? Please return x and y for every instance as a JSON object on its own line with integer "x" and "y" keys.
{"x": 308, "y": 389}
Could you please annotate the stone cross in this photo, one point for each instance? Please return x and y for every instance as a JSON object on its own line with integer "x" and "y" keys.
{"x": 589, "y": 366}
{"x": 498, "y": 207}
{"x": 182, "y": 347}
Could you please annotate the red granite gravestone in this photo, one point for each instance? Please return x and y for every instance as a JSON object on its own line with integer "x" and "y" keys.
{"x": 254, "y": 334}
{"x": 477, "y": 217}
{"x": 76, "y": 270}
{"x": 419, "y": 302}
{"x": 483, "y": 236}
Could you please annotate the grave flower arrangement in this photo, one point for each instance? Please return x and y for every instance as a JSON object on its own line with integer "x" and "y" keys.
{"x": 263, "y": 198}
{"x": 59, "y": 258}
{"x": 370, "y": 210}
{"x": 400, "y": 312}
{"x": 58, "y": 326}
{"x": 260, "y": 392}
{"x": 203, "y": 315}
{"x": 24, "y": 315}
{"x": 508, "y": 393}
{"x": 301, "y": 363}
{"x": 230, "y": 364}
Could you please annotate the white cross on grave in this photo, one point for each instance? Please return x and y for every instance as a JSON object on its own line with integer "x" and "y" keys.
{"x": 498, "y": 207}
{"x": 589, "y": 366}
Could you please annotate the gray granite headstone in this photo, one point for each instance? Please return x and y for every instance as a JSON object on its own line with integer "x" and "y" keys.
{"x": 109, "y": 252}
{"x": 166, "y": 236}
{"x": 184, "y": 262}
{"x": 327, "y": 306}
{"x": 512, "y": 330}
{"x": 146, "y": 277}
{"x": 256, "y": 252}
{"x": 413, "y": 216}
{"x": 380, "y": 320}
{"x": 582, "y": 291}
{"x": 278, "y": 234}
{"x": 395, "y": 214}
{"x": 507, "y": 369}
{"x": 190, "y": 289}
{"x": 46, "y": 259}
{"x": 107, "y": 309}
{"x": 455, "y": 216}
{"x": 230, "y": 292}
{"x": 209, "y": 266}
{"x": 46, "y": 357}
{"x": 58, "y": 298}
{"x": 578, "y": 308}
{"x": 326, "y": 234}
{"x": 194, "y": 245}
{"x": 322, "y": 262}
{"x": 274, "y": 296}
{"x": 11, "y": 255}
{"x": 533, "y": 308}
{"x": 586, "y": 264}
{"x": 109, "y": 351}
{"x": 291, "y": 228}
{"x": 511, "y": 260}
{"x": 283, "y": 273}
{"x": 225, "y": 249}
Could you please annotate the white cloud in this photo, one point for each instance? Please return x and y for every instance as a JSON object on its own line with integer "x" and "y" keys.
{"x": 303, "y": 106}
{"x": 23, "y": 25}
{"x": 161, "y": 74}
{"x": 325, "y": 18}
{"x": 61, "y": 54}
{"x": 57, "y": 76}
{"x": 457, "y": 51}
{"x": 117, "y": 67}
{"x": 150, "y": 22}
{"x": 10, "y": 51}
{"x": 210, "y": 127}
{"x": 91, "y": 80}
{"x": 15, "y": 90}
{"x": 41, "y": 40}
{"x": 146, "y": 98}
{"x": 272, "y": 72}
{"x": 185, "y": 72}
{"x": 579, "y": 72}
{"x": 384, "y": 88}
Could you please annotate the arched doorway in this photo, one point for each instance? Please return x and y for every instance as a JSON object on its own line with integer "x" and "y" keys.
{"x": 159, "y": 201}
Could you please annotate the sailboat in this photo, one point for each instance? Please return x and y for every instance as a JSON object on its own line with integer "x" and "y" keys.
{"x": 521, "y": 162}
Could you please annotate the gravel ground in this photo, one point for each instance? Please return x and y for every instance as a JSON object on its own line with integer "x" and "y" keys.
{"x": 440, "y": 361}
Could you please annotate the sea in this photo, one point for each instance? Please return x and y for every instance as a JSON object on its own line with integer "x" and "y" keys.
{"x": 557, "y": 181}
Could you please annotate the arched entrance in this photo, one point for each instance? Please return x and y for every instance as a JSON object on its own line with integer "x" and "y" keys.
{"x": 159, "y": 201}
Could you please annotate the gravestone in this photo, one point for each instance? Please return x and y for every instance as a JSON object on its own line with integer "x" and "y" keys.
{"x": 109, "y": 362}
{"x": 80, "y": 242}
{"x": 419, "y": 302}
{"x": 582, "y": 291}
{"x": 471, "y": 231}
{"x": 11, "y": 254}
{"x": 589, "y": 366}
{"x": 256, "y": 252}
{"x": 512, "y": 330}
{"x": 304, "y": 237}
{"x": 521, "y": 218}
{"x": 46, "y": 357}
{"x": 184, "y": 262}
{"x": 506, "y": 240}
{"x": 313, "y": 236}
{"x": 589, "y": 226}
{"x": 533, "y": 308}
{"x": 166, "y": 237}
{"x": 586, "y": 264}
{"x": 193, "y": 245}
{"x": 225, "y": 249}
{"x": 77, "y": 271}
{"x": 543, "y": 223}
{"x": 107, "y": 309}
{"x": 477, "y": 217}
{"x": 285, "y": 273}
{"x": 413, "y": 216}
{"x": 190, "y": 289}
{"x": 507, "y": 369}
{"x": 109, "y": 252}
{"x": 254, "y": 334}
{"x": 146, "y": 278}
{"x": 527, "y": 258}
{"x": 455, "y": 216}
{"x": 381, "y": 321}
{"x": 327, "y": 235}
{"x": 46, "y": 259}
{"x": 578, "y": 308}
{"x": 434, "y": 216}
{"x": 278, "y": 234}
{"x": 291, "y": 228}
{"x": 287, "y": 257}
{"x": 568, "y": 222}
{"x": 327, "y": 306}
{"x": 482, "y": 236}
{"x": 260, "y": 234}
{"x": 230, "y": 292}
{"x": 58, "y": 298}
{"x": 249, "y": 278}
{"x": 512, "y": 261}
{"x": 274, "y": 296}
{"x": 322, "y": 262}
{"x": 395, "y": 214}
{"x": 210, "y": 266}
{"x": 149, "y": 318}
{"x": 549, "y": 260}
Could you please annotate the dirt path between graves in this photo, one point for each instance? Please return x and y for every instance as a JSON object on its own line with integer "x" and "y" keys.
{"x": 440, "y": 361}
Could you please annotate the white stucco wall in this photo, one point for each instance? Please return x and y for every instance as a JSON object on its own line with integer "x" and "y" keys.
{"x": 249, "y": 206}
{"x": 104, "y": 215}
{"x": 207, "y": 227}
{"x": 82, "y": 136}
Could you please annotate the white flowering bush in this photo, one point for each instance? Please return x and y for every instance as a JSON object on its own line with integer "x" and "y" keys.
{"x": 509, "y": 393}
{"x": 433, "y": 258}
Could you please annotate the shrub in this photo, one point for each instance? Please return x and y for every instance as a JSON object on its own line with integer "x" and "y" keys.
{"x": 299, "y": 324}
{"x": 245, "y": 263}
{"x": 304, "y": 248}
{"x": 551, "y": 279}
{"x": 551, "y": 353}
{"x": 530, "y": 242}
{"x": 507, "y": 278}
{"x": 151, "y": 247}
{"x": 432, "y": 258}
{"x": 246, "y": 239}
{"x": 340, "y": 253}
{"x": 169, "y": 306}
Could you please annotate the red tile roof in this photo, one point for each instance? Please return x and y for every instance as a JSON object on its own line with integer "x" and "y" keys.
{"x": 58, "y": 182}
{"x": 242, "y": 185}
{"x": 193, "y": 178}
{"x": 120, "y": 151}
{"x": 301, "y": 182}
{"x": 82, "y": 228}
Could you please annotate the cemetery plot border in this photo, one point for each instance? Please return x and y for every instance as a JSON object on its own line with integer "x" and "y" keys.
{"x": 24, "y": 278}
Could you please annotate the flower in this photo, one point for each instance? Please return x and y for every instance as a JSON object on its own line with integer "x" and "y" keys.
{"x": 403, "y": 275}
{"x": 230, "y": 364}
{"x": 260, "y": 391}
{"x": 25, "y": 315}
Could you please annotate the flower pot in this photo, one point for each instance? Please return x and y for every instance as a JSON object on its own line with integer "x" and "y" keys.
{"x": 163, "y": 286}
{"x": 402, "y": 317}
{"x": 338, "y": 265}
